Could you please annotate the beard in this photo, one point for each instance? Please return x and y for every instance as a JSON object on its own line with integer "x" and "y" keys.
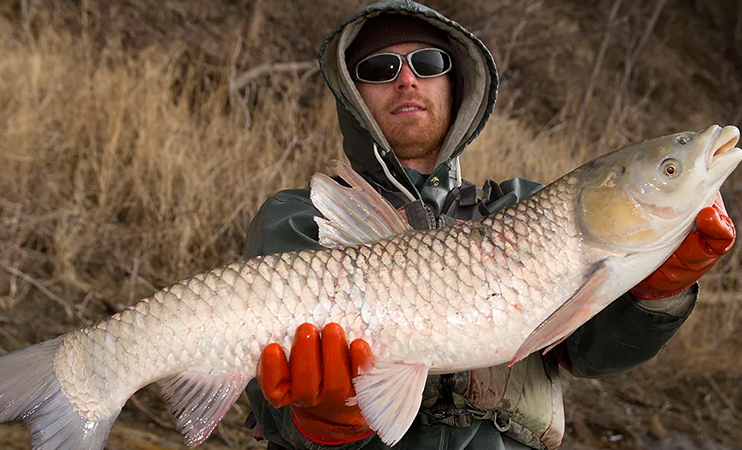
{"x": 416, "y": 136}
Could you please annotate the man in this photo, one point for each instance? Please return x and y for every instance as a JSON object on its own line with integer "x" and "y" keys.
{"x": 413, "y": 89}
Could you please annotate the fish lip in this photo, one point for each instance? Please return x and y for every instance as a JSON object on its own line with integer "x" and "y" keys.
{"x": 724, "y": 145}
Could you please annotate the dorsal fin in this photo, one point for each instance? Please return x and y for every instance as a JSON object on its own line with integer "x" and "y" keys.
{"x": 199, "y": 401}
{"x": 353, "y": 215}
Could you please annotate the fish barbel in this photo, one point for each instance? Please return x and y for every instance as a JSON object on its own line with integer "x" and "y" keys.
{"x": 478, "y": 294}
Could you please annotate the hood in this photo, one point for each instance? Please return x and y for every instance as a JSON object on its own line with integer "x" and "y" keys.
{"x": 476, "y": 75}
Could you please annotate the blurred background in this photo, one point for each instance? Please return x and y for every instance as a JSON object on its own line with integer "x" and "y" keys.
{"x": 139, "y": 137}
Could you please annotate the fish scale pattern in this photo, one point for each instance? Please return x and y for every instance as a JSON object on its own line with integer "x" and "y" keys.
{"x": 474, "y": 282}
{"x": 452, "y": 298}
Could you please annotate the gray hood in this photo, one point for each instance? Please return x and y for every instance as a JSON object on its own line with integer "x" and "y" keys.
{"x": 475, "y": 71}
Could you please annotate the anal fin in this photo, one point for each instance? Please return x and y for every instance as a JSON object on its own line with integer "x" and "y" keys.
{"x": 389, "y": 395}
{"x": 199, "y": 401}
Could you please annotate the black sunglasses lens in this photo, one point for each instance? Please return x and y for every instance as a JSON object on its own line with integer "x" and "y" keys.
{"x": 429, "y": 63}
{"x": 378, "y": 68}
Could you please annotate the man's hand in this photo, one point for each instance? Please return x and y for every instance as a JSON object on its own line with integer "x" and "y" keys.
{"x": 714, "y": 236}
{"x": 316, "y": 383}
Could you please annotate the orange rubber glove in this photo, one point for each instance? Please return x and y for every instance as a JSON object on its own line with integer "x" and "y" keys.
{"x": 316, "y": 382}
{"x": 714, "y": 236}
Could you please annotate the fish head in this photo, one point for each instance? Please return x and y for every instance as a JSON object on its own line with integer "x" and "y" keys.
{"x": 646, "y": 196}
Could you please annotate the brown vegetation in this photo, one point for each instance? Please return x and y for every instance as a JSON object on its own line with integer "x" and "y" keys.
{"x": 138, "y": 138}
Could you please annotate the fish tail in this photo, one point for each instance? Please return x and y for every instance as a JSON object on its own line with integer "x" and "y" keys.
{"x": 30, "y": 392}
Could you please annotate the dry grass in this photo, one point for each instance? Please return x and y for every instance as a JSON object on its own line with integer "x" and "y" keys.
{"x": 128, "y": 170}
{"x": 127, "y": 161}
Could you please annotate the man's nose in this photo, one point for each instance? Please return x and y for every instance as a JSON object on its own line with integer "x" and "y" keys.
{"x": 406, "y": 78}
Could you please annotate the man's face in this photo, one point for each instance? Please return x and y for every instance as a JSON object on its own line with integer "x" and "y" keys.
{"x": 414, "y": 113}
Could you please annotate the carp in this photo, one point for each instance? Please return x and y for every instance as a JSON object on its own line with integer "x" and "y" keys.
{"x": 477, "y": 294}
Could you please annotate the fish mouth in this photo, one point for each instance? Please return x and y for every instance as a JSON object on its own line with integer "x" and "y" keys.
{"x": 724, "y": 145}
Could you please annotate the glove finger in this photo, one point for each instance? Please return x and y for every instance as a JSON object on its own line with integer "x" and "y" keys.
{"x": 306, "y": 366}
{"x": 273, "y": 375}
{"x": 716, "y": 229}
{"x": 361, "y": 359}
{"x": 693, "y": 253}
{"x": 336, "y": 361}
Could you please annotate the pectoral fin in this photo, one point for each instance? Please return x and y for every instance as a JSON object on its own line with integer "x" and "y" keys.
{"x": 389, "y": 395}
{"x": 581, "y": 307}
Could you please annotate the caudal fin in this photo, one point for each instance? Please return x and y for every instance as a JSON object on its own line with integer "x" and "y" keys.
{"x": 29, "y": 392}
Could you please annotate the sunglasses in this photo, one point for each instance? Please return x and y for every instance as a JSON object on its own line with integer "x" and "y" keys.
{"x": 385, "y": 67}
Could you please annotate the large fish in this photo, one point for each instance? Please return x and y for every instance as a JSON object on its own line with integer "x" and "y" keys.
{"x": 478, "y": 294}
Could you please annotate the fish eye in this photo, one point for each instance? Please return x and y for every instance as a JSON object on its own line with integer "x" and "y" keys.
{"x": 670, "y": 167}
{"x": 682, "y": 140}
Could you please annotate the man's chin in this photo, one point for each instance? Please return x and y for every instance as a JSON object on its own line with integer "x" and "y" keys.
{"x": 406, "y": 121}
{"x": 410, "y": 130}
{"x": 413, "y": 136}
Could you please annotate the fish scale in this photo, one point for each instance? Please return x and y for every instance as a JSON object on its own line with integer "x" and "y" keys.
{"x": 477, "y": 294}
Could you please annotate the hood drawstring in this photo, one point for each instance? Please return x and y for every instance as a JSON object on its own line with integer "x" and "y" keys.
{"x": 390, "y": 177}
{"x": 458, "y": 172}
